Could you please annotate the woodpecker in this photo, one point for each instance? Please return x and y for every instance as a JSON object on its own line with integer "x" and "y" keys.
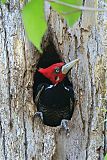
{"x": 53, "y": 93}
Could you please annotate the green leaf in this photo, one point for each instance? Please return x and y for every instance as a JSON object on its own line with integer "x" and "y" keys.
{"x": 34, "y": 21}
{"x": 105, "y": 158}
{"x": 65, "y": 8}
{"x": 3, "y": 1}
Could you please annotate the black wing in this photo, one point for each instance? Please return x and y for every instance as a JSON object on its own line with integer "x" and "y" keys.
{"x": 55, "y": 103}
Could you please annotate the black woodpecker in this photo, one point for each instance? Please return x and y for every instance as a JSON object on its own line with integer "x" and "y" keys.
{"x": 53, "y": 93}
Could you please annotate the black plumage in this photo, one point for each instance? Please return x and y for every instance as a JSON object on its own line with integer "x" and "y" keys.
{"x": 56, "y": 102}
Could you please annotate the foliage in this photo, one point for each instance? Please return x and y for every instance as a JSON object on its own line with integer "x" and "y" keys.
{"x": 67, "y": 10}
{"x": 34, "y": 17}
{"x": 3, "y": 1}
{"x": 105, "y": 158}
{"x": 34, "y": 21}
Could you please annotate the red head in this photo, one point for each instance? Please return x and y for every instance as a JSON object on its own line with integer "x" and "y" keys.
{"x": 53, "y": 72}
{"x": 57, "y": 72}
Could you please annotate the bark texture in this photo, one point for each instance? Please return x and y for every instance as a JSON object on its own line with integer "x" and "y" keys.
{"x": 25, "y": 138}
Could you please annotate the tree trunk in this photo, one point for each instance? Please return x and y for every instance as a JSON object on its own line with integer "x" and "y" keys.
{"x": 25, "y": 138}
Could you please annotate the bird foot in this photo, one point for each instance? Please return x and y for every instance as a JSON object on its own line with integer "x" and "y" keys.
{"x": 39, "y": 114}
{"x": 64, "y": 126}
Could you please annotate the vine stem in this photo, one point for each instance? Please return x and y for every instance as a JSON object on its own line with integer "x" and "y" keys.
{"x": 83, "y": 8}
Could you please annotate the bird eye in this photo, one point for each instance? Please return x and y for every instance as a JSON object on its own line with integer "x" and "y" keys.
{"x": 57, "y": 70}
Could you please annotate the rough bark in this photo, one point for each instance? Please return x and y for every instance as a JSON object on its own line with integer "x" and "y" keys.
{"x": 22, "y": 137}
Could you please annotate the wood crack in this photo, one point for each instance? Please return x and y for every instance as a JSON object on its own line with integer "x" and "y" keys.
{"x": 80, "y": 109}
{"x": 105, "y": 135}
{"x": 0, "y": 127}
{"x": 4, "y": 146}
{"x": 25, "y": 134}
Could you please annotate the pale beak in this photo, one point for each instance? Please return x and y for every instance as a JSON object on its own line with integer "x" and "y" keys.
{"x": 69, "y": 65}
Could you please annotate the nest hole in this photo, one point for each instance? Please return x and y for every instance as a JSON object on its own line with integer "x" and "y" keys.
{"x": 49, "y": 56}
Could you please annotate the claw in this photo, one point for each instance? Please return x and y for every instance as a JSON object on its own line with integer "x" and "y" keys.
{"x": 39, "y": 114}
{"x": 64, "y": 125}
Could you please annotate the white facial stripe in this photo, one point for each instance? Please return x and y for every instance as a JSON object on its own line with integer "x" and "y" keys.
{"x": 50, "y": 87}
{"x": 66, "y": 88}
